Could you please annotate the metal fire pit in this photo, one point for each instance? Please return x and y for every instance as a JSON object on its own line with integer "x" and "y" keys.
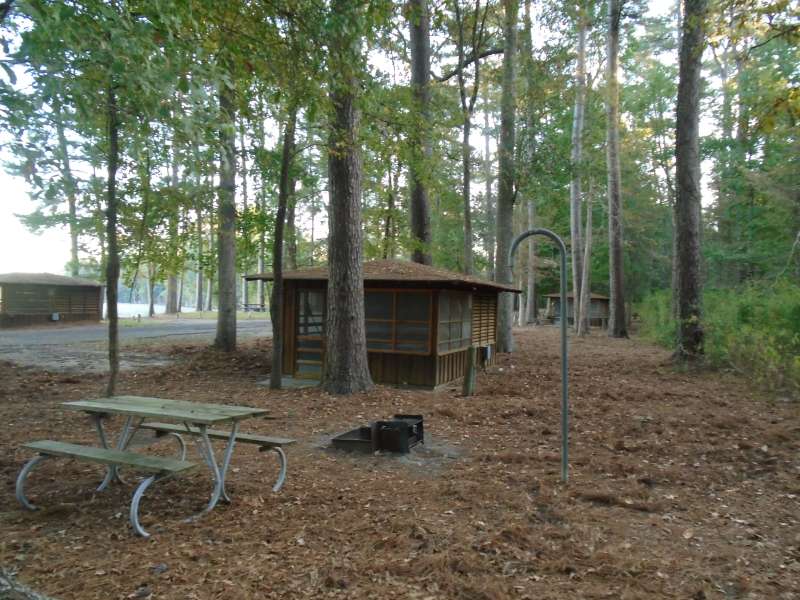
{"x": 400, "y": 434}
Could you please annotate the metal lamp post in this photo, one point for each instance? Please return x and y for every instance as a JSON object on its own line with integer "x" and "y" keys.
{"x": 564, "y": 357}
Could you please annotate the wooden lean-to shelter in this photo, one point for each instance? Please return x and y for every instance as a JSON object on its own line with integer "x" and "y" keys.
{"x": 420, "y": 322}
{"x": 598, "y": 309}
{"x": 30, "y": 298}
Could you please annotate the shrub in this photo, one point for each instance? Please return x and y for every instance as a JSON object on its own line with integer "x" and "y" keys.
{"x": 753, "y": 328}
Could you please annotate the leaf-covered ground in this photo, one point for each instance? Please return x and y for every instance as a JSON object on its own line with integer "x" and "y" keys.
{"x": 682, "y": 485}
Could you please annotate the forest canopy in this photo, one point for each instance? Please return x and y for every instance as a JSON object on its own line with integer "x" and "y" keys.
{"x": 182, "y": 139}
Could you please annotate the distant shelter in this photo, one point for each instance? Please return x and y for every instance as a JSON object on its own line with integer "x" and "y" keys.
{"x": 420, "y": 322}
{"x": 31, "y": 298}
{"x": 598, "y": 309}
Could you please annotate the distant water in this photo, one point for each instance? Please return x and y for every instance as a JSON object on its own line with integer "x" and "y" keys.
{"x": 126, "y": 310}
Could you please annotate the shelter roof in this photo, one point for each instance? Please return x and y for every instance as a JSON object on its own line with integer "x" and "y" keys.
{"x": 396, "y": 271}
{"x": 47, "y": 279}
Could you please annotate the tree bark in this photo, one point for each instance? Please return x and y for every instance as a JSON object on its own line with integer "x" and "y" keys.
{"x": 199, "y": 276}
{"x": 576, "y": 159}
{"x": 226, "y": 229}
{"x": 346, "y": 368}
{"x": 586, "y": 275}
{"x": 531, "y": 308}
{"x": 112, "y": 255}
{"x": 531, "y": 304}
{"x": 489, "y": 206}
{"x": 151, "y": 290}
{"x": 687, "y": 180}
{"x": 420, "y": 135}
{"x": 505, "y": 196}
{"x": 466, "y": 156}
{"x": 287, "y": 155}
{"x": 245, "y": 294}
{"x": 617, "y": 324}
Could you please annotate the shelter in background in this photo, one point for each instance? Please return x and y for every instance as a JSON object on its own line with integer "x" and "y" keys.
{"x": 420, "y": 322}
{"x": 29, "y": 298}
{"x": 598, "y": 309}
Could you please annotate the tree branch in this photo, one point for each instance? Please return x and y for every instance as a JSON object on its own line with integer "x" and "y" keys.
{"x": 467, "y": 62}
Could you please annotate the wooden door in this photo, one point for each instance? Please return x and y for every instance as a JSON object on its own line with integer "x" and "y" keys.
{"x": 309, "y": 355}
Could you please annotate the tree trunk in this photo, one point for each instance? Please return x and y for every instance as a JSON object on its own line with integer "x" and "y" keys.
{"x": 466, "y": 155}
{"x": 420, "y": 138}
{"x": 151, "y": 290}
{"x": 112, "y": 255}
{"x": 617, "y": 324}
{"x": 687, "y": 180}
{"x": 346, "y": 367}
{"x": 505, "y": 196}
{"x": 531, "y": 305}
{"x": 245, "y": 295}
{"x": 226, "y": 236}
{"x": 71, "y": 191}
{"x": 199, "y": 276}
{"x": 531, "y": 308}
{"x": 276, "y": 301}
{"x": 489, "y": 206}
{"x": 210, "y": 292}
{"x": 586, "y": 275}
{"x": 576, "y": 159}
{"x": 388, "y": 222}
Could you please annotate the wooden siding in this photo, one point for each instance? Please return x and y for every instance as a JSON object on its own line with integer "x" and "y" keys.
{"x": 484, "y": 319}
{"x": 402, "y": 369}
{"x": 25, "y": 304}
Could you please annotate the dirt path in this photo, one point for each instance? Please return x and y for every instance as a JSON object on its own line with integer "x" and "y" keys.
{"x": 83, "y": 348}
{"x": 682, "y": 486}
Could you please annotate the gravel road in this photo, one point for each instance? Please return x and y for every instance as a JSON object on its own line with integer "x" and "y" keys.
{"x": 83, "y": 348}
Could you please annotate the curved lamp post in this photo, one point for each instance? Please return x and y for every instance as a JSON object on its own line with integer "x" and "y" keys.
{"x": 563, "y": 318}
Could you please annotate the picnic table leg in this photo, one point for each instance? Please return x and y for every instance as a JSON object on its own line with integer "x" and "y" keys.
{"x": 112, "y": 473}
{"x": 207, "y": 450}
{"x": 227, "y": 459}
{"x": 23, "y": 475}
{"x": 134, "y": 513}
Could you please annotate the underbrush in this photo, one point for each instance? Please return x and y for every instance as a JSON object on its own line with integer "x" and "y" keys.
{"x": 754, "y": 329}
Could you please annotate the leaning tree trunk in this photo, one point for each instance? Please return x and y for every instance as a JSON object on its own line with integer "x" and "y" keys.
{"x": 420, "y": 137}
{"x": 576, "y": 160}
{"x": 112, "y": 256}
{"x": 346, "y": 367}
{"x": 226, "y": 229}
{"x": 505, "y": 196}
{"x": 617, "y": 324}
{"x": 276, "y": 301}
{"x": 687, "y": 181}
{"x": 586, "y": 275}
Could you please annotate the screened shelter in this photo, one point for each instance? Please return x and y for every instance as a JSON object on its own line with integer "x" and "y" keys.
{"x": 420, "y": 322}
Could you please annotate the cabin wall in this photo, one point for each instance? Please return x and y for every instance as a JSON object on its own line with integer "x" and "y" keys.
{"x": 28, "y": 304}
{"x": 414, "y": 370}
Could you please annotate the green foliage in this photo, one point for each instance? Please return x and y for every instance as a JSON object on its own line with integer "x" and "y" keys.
{"x": 754, "y": 329}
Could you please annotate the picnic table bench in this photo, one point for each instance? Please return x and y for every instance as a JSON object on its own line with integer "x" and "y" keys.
{"x": 194, "y": 418}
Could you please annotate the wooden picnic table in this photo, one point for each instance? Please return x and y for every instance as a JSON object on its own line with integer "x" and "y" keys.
{"x": 195, "y": 418}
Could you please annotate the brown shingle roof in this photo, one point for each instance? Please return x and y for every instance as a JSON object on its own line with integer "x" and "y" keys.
{"x": 46, "y": 279}
{"x": 396, "y": 270}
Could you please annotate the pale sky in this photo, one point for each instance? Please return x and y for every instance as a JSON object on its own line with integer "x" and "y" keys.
{"x": 20, "y": 250}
